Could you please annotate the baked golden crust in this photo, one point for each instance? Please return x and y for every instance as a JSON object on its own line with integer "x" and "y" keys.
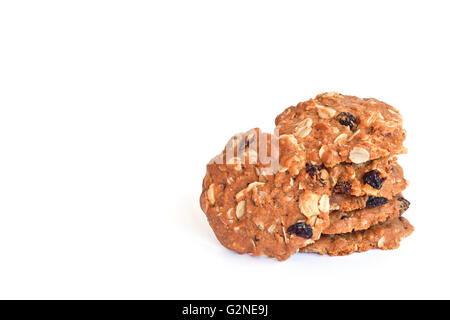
{"x": 386, "y": 236}
{"x": 337, "y": 128}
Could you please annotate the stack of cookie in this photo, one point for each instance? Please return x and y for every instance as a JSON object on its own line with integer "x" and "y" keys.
{"x": 327, "y": 181}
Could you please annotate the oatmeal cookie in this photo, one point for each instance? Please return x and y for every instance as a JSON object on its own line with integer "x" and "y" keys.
{"x": 334, "y": 128}
{"x": 379, "y": 178}
{"x": 258, "y": 211}
{"x": 344, "y": 222}
{"x": 345, "y": 203}
{"x": 384, "y": 236}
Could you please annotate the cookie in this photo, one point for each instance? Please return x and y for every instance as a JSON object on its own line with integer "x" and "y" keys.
{"x": 254, "y": 207}
{"x": 379, "y": 178}
{"x": 335, "y": 128}
{"x": 329, "y": 174}
{"x": 344, "y": 222}
{"x": 384, "y": 236}
{"x": 344, "y": 202}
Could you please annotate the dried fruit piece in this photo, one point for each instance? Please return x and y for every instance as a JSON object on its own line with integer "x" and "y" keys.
{"x": 342, "y": 187}
{"x": 373, "y": 179}
{"x": 313, "y": 169}
{"x": 301, "y": 229}
{"x": 347, "y": 119}
{"x": 405, "y": 204}
{"x": 317, "y": 173}
{"x": 376, "y": 201}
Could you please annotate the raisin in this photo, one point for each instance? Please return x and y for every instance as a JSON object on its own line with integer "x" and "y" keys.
{"x": 373, "y": 179}
{"x": 347, "y": 119}
{"x": 313, "y": 170}
{"x": 342, "y": 187}
{"x": 376, "y": 201}
{"x": 301, "y": 229}
{"x": 405, "y": 204}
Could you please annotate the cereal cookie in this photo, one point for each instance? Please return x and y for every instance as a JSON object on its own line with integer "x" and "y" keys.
{"x": 326, "y": 181}
{"x": 384, "y": 236}
{"x": 379, "y": 178}
{"x": 258, "y": 208}
{"x": 344, "y": 222}
{"x": 337, "y": 128}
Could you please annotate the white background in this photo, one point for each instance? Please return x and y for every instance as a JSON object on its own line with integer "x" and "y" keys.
{"x": 110, "y": 110}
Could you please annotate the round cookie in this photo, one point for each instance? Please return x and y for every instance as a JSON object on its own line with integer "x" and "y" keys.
{"x": 344, "y": 222}
{"x": 337, "y": 128}
{"x": 386, "y": 236}
{"x": 257, "y": 208}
